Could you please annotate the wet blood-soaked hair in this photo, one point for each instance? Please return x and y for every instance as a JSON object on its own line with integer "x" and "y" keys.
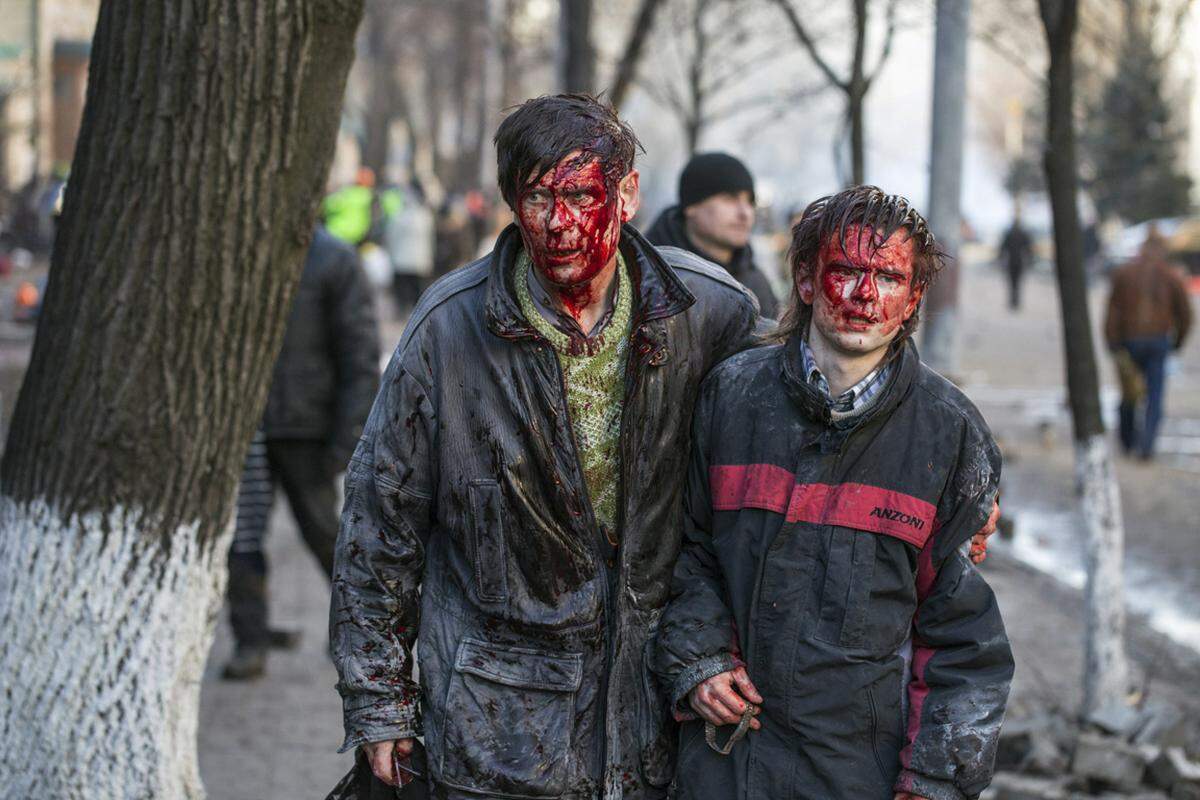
{"x": 868, "y": 207}
{"x": 545, "y": 130}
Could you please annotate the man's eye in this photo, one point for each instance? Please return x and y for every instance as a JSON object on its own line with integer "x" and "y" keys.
{"x": 537, "y": 196}
{"x": 581, "y": 198}
{"x": 889, "y": 277}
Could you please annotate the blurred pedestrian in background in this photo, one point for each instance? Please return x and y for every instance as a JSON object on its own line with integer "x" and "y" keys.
{"x": 714, "y": 219}
{"x": 1148, "y": 316}
{"x": 1017, "y": 251}
{"x": 323, "y": 385}
{"x": 355, "y": 213}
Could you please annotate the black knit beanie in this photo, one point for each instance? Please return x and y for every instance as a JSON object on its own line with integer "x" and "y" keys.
{"x": 713, "y": 173}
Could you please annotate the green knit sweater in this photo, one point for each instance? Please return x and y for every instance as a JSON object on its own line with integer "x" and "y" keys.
{"x": 595, "y": 390}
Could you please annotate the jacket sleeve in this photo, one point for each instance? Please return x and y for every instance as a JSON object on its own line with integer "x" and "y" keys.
{"x": 380, "y": 555}
{"x": 695, "y": 640}
{"x": 355, "y": 337}
{"x": 743, "y": 328}
{"x": 962, "y": 663}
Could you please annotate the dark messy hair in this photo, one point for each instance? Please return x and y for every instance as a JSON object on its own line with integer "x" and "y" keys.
{"x": 545, "y": 130}
{"x": 868, "y": 207}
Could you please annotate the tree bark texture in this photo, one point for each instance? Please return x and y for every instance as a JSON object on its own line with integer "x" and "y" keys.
{"x": 204, "y": 148}
{"x": 578, "y": 58}
{"x": 940, "y": 338}
{"x": 1106, "y": 669}
{"x": 856, "y": 92}
{"x": 382, "y": 88}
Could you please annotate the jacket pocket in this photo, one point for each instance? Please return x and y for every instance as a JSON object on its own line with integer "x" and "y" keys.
{"x": 846, "y": 593}
{"x": 509, "y": 717}
{"x": 487, "y": 524}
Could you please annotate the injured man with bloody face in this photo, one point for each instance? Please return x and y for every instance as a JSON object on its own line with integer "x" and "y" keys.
{"x": 828, "y": 634}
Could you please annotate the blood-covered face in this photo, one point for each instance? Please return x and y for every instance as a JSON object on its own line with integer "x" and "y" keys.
{"x": 861, "y": 294}
{"x": 570, "y": 221}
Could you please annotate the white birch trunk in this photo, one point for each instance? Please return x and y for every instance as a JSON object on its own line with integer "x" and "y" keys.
{"x": 105, "y": 634}
{"x": 1106, "y": 671}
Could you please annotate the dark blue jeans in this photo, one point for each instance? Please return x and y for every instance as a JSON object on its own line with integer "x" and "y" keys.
{"x": 1150, "y": 355}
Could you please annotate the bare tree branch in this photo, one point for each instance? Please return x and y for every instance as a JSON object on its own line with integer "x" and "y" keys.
{"x": 888, "y": 37}
{"x": 1009, "y": 54}
{"x": 627, "y": 67}
{"x": 809, "y": 45}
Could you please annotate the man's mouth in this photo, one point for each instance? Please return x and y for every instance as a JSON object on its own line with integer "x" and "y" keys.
{"x": 561, "y": 254}
{"x": 860, "y": 320}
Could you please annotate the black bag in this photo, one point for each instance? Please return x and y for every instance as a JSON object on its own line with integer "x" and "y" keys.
{"x": 360, "y": 782}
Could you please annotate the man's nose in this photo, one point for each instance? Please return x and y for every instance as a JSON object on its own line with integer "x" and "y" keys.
{"x": 865, "y": 290}
{"x": 746, "y": 211}
{"x": 560, "y": 217}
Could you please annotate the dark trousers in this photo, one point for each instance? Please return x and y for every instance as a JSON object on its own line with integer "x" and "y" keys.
{"x": 301, "y": 468}
{"x": 1150, "y": 356}
{"x": 1015, "y": 274}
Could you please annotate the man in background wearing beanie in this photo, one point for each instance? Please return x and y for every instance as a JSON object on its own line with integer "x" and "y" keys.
{"x": 713, "y": 220}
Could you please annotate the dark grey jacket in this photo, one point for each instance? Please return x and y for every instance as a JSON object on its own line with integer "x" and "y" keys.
{"x": 669, "y": 231}
{"x": 531, "y": 629}
{"x": 826, "y": 558}
{"x": 327, "y": 372}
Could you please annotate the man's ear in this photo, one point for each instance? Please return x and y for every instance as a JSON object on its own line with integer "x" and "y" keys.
{"x": 630, "y": 194}
{"x": 804, "y": 284}
{"x": 914, "y": 301}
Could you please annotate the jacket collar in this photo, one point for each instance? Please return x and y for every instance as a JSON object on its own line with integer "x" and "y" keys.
{"x": 812, "y": 403}
{"x": 659, "y": 293}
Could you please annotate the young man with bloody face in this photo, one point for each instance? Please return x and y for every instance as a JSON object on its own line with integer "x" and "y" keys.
{"x": 825, "y": 601}
{"x": 515, "y": 503}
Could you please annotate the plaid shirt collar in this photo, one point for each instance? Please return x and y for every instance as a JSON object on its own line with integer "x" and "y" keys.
{"x": 854, "y": 399}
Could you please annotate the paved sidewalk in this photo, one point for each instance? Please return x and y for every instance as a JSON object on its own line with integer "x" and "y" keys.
{"x": 277, "y": 737}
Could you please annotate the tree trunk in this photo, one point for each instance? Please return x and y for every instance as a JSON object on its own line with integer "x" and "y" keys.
{"x": 204, "y": 148}
{"x": 380, "y": 113}
{"x": 940, "y": 338}
{"x": 578, "y": 59}
{"x": 854, "y": 115}
{"x": 856, "y": 93}
{"x": 1106, "y": 669}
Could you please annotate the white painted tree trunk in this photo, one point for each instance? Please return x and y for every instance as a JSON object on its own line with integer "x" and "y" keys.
{"x": 105, "y": 634}
{"x": 1106, "y": 671}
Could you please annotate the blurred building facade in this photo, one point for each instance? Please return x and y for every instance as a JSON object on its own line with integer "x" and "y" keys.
{"x": 44, "y": 49}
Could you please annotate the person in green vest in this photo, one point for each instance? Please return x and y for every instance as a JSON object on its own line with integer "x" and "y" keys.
{"x": 355, "y": 213}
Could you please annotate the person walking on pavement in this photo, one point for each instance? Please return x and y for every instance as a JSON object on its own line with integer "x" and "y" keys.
{"x": 323, "y": 383}
{"x": 824, "y": 591}
{"x": 1016, "y": 248}
{"x": 714, "y": 219}
{"x": 1149, "y": 315}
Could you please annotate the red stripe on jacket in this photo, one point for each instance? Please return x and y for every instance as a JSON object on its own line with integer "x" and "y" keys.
{"x": 851, "y": 505}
